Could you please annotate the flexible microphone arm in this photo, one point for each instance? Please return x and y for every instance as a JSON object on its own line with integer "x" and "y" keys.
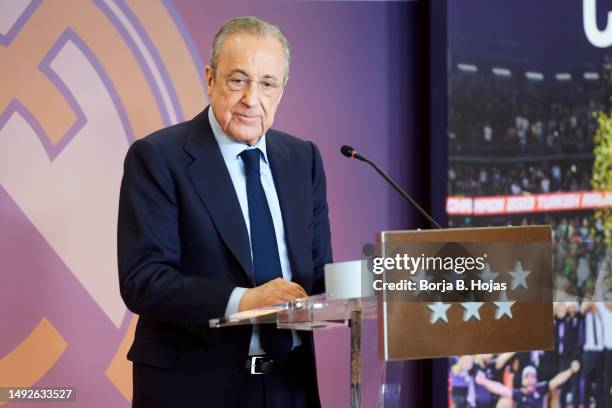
{"x": 348, "y": 151}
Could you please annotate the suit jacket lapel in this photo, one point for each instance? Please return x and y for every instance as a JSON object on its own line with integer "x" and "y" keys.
{"x": 213, "y": 183}
{"x": 291, "y": 199}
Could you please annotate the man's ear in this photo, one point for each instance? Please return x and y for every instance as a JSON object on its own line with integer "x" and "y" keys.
{"x": 208, "y": 75}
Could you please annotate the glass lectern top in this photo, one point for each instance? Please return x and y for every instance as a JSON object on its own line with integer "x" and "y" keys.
{"x": 309, "y": 313}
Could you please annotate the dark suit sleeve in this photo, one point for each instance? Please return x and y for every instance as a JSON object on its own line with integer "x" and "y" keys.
{"x": 321, "y": 241}
{"x": 149, "y": 247}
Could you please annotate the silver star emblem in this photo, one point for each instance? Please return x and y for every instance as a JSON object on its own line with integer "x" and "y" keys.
{"x": 439, "y": 311}
{"x": 471, "y": 310}
{"x": 503, "y": 306}
{"x": 519, "y": 276}
{"x": 486, "y": 274}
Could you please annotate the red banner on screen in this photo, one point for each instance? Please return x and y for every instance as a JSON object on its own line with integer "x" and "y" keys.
{"x": 516, "y": 204}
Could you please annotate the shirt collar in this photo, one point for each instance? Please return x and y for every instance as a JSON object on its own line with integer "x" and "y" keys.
{"x": 230, "y": 148}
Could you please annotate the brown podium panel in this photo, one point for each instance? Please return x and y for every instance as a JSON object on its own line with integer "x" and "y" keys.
{"x": 516, "y": 319}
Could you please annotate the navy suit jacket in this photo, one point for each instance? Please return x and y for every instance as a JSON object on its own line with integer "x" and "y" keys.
{"x": 183, "y": 247}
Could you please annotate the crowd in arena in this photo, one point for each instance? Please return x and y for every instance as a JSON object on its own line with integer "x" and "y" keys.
{"x": 519, "y": 178}
{"x": 578, "y": 251}
{"x": 579, "y": 255}
{"x": 548, "y": 116}
{"x": 512, "y": 136}
{"x": 578, "y": 372}
{"x": 572, "y": 375}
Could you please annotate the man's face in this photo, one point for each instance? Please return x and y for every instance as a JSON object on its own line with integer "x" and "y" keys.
{"x": 560, "y": 310}
{"x": 246, "y": 114}
{"x": 530, "y": 380}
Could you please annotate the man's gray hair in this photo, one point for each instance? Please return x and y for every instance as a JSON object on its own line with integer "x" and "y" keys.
{"x": 529, "y": 370}
{"x": 250, "y": 25}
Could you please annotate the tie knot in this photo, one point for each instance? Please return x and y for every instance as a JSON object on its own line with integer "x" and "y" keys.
{"x": 250, "y": 158}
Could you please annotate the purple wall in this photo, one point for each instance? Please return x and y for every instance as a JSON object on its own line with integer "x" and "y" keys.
{"x": 85, "y": 79}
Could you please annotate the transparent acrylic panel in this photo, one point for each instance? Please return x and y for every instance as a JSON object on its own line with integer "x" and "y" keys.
{"x": 311, "y": 313}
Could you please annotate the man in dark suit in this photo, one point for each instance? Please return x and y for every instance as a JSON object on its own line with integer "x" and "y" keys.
{"x": 222, "y": 214}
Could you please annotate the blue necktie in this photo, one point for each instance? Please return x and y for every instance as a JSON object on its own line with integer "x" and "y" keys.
{"x": 266, "y": 261}
{"x": 593, "y": 317}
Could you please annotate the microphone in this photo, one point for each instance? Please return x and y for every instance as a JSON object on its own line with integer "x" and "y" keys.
{"x": 349, "y": 152}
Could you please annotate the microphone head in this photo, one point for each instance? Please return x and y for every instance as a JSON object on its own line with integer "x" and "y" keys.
{"x": 347, "y": 151}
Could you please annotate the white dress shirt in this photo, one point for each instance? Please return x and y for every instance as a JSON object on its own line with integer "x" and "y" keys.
{"x": 594, "y": 340}
{"x": 606, "y": 320}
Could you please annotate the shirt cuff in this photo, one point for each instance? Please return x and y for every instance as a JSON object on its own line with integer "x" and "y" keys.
{"x": 234, "y": 300}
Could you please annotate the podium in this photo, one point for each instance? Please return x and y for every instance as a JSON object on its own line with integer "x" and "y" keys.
{"x": 315, "y": 313}
{"x": 426, "y": 324}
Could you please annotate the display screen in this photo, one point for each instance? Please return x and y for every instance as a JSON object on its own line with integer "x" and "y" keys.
{"x": 529, "y": 135}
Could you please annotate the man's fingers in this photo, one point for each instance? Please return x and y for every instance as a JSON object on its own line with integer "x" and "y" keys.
{"x": 297, "y": 289}
{"x": 273, "y": 292}
{"x": 283, "y": 296}
{"x": 291, "y": 294}
{"x": 302, "y": 292}
{"x": 275, "y": 300}
{"x": 280, "y": 296}
{"x": 279, "y": 290}
{"x": 282, "y": 284}
{"x": 296, "y": 292}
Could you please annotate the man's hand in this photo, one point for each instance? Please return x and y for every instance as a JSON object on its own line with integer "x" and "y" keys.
{"x": 480, "y": 377}
{"x": 575, "y": 366}
{"x": 271, "y": 293}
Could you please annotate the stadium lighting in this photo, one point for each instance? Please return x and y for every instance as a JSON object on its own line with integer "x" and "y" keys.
{"x": 563, "y": 76}
{"x": 591, "y": 75}
{"x": 467, "y": 67}
{"x": 501, "y": 72}
{"x": 534, "y": 76}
